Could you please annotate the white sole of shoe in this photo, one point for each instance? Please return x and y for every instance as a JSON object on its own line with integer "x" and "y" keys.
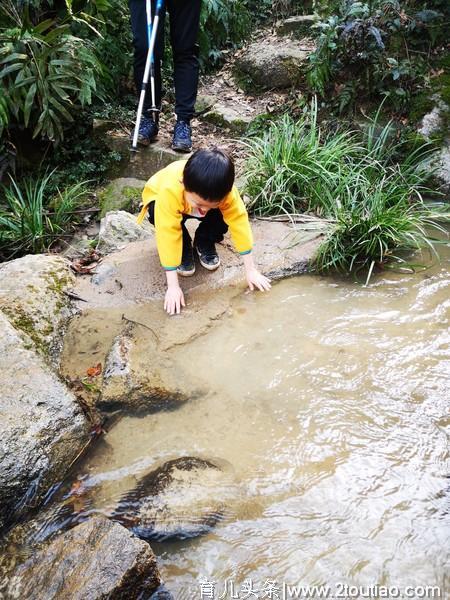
{"x": 186, "y": 273}
{"x": 206, "y": 266}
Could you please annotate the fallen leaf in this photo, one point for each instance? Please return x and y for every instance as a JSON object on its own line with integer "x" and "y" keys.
{"x": 94, "y": 371}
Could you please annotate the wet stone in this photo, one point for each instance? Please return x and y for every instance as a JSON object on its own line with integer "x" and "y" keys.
{"x": 96, "y": 560}
{"x": 185, "y": 497}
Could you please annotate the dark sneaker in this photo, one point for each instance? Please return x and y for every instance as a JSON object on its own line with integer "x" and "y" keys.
{"x": 187, "y": 267}
{"x": 148, "y": 131}
{"x": 208, "y": 256}
{"x": 181, "y": 141}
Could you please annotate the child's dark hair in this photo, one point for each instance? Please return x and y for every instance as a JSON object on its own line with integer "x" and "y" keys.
{"x": 210, "y": 174}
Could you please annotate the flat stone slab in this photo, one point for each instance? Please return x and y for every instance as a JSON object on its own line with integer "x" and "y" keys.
{"x": 145, "y": 162}
{"x": 136, "y": 274}
{"x": 94, "y": 561}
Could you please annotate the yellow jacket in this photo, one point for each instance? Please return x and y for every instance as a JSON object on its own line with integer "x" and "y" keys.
{"x": 167, "y": 189}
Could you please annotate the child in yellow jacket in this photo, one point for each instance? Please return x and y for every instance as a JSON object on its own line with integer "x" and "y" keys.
{"x": 202, "y": 188}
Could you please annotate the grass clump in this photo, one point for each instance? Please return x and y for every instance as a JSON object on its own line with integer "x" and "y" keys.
{"x": 32, "y": 218}
{"x": 373, "y": 189}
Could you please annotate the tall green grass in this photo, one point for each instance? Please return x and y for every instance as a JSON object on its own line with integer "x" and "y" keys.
{"x": 374, "y": 199}
{"x": 32, "y": 218}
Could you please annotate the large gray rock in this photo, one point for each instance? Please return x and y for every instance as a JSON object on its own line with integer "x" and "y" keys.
{"x": 42, "y": 428}
{"x": 298, "y": 25}
{"x": 183, "y": 498}
{"x": 95, "y": 560}
{"x": 124, "y": 193}
{"x": 141, "y": 164}
{"x": 33, "y": 296}
{"x": 119, "y": 228}
{"x": 279, "y": 64}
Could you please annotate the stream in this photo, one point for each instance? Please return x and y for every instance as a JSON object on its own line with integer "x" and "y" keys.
{"x": 330, "y": 402}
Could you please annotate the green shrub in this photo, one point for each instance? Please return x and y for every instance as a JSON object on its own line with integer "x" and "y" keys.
{"x": 45, "y": 73}
{"x": 373, "y": 196}
{"x": 374, "y": 49}
{"x": 31, "y": 219}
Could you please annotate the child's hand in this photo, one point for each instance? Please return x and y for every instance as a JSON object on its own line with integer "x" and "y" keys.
{"x": 174, "y": 300}
{"x": 257, "y": 279}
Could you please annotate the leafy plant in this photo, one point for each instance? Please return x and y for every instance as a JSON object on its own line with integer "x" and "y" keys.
{"x": 31, "y": 220}
{"x": 375, "y": 204}
{"x": 45, "y": 73}
{"x": 373, "y": 48}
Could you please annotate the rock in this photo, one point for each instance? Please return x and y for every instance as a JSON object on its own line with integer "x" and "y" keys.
{"x": 276, "y": 65}
{"x": 119, "y": 228}
{"x": 299, "y": 25}
{"x": 444, "y": 166}
{"x": 42, "y": 428}
{"x": 434, "y": 121}
{"x": 103, "y": 273}
{"x": 124, "y": 193}
{"x": 147, "y": 389}
{"x": 142, "y": 164}
{"x": 204, "y": 103}
{"x": 32, "y": 296}
{"x": 435, "y": 124}
{"x": 226, "y": 116}
{"x": 96, "y": 560}
{"x": 183, "y": 498}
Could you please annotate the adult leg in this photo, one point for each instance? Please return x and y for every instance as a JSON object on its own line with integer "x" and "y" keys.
{"x": 184, "y": 26}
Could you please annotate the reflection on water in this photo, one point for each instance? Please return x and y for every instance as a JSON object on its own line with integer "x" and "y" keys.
{"x": 331, "y": 401}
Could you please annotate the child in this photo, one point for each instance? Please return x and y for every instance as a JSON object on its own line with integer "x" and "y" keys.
{"x": 202, "y": 188}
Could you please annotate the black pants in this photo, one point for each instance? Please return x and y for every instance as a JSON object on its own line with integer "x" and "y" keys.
{"x": 184, "y": 26}
{"x": 211, "y": 229}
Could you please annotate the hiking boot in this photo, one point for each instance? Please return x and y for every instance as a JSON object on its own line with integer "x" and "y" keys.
{"x": 148, "y": 131}
{"x": 187, "y": 267}
{"x": 181, "y": 141}
{"x": 208, "y": 256}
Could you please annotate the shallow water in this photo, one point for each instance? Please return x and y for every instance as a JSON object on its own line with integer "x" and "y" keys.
{"x": 330, "y": 401}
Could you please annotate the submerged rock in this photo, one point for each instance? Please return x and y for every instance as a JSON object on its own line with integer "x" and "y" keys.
{"x": 42, "y": 428}
{"x": 96, "y": 560}
{"x": 33, "y": 297}
{"x": 119, "y": 228}
{"x": 142, "y": 388}
{"x": 183, "y": 498}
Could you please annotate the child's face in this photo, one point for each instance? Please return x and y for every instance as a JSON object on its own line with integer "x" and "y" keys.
{"x": 202, "y": 205}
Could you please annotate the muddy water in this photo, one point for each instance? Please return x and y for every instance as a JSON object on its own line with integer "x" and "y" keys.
{"x": 330, "y": 401}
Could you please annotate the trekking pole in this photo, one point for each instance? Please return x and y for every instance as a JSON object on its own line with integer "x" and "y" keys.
{"x": 149, "y": 69}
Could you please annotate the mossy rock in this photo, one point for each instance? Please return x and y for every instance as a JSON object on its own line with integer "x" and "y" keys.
{"x": 272, "y": 66}
{"x": 124, "y": 193}
{"x": 33, "y": 297}
{"x": 228, "y": 118}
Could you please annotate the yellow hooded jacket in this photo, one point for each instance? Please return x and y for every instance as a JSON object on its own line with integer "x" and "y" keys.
{"x": 167, "y": 189}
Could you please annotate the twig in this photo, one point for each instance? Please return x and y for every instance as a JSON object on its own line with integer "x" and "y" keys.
{"x": 74, "y": 296}
{"x": 124, "y": 318}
